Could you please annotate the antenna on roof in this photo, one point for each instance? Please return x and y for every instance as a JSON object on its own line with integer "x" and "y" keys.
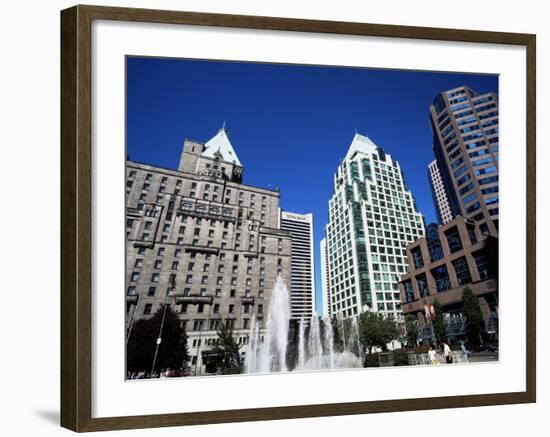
{"x": 223, "y": 126}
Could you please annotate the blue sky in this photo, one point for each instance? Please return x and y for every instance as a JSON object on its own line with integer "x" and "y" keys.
{"x": 290, "y": 125}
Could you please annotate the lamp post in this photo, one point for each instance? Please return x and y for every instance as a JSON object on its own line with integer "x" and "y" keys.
{"x": 159, "y": 338}
{"x": 133, "y": 318}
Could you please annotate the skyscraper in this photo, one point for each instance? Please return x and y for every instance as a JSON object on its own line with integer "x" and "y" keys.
{"x": 441, "y": 200}
{"x": 372, "y": 218}
{"x": 200, "y": 240}
{"x": 465, "y": 143}
{"x": 302, "y": 271}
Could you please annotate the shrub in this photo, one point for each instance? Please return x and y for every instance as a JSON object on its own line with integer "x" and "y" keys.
{"x": 371, "y": 360}
{"x": 400, "y": 358}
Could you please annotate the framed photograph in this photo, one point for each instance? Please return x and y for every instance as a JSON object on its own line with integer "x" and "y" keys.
{"x": 268, "y": 218}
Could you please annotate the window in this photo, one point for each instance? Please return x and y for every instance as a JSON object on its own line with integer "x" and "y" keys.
{"x": 462, "y": 271}
{"x": 473, "y": 207}
{"x": 155, "y": 277}
{"x": 148, "y": 308}
{"x": 453, "y": 239}
{"x": 486, "y": 170}
{"x": 483, "y": 264}
{"x": 152, "y": 291}
{"x": 409, "y": 292}
{"x": 422, "y": 283}
{"x": 198, "y": 325}
{"x": 471, "y": 233}
{"x": 417, "y": 258}
{"x": 469, "y": 199}
{"x": 441, "y": 278}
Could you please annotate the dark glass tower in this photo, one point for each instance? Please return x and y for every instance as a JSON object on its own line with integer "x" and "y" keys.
{"x": 465, "y": 144}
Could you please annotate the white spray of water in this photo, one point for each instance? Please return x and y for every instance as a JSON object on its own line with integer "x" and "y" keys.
{"x": 270, "y": 355}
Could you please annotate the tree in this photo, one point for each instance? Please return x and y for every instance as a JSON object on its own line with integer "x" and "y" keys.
{"x": 142, "y": 343}
{"x": 228, "y": 359}
{"x": 439, "y": 323}
{"x": 376, "y": 330}
{"x": 412, "y": 330}
{"x": 474, "y": 318}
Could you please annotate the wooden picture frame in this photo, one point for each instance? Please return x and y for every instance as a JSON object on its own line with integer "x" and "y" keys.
{"x": 76, "y": 217}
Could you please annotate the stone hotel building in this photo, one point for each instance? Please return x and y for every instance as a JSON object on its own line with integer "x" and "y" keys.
{"x": 203, "y": 242}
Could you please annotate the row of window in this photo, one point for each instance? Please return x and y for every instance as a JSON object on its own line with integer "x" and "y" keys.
{"x": 441, "y": 278}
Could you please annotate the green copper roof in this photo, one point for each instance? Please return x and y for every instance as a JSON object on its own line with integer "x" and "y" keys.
{"x": 220, "y": 146}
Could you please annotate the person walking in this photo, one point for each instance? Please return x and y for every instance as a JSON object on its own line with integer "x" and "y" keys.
{"x": 447, "y": 353}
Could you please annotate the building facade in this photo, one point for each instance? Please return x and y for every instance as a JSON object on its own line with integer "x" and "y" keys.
{"x": 465, "y": 142}
{"x": 324, "y": 278}
{"x": 302, "y": 270}
{"x": 372, "y": 218}
{"x": 440, "y": 198}
{"x": 451, "y": 257}
{"x": 203, "y": 242}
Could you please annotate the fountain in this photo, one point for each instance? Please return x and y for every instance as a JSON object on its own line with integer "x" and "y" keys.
{"x": 315, "y": 351}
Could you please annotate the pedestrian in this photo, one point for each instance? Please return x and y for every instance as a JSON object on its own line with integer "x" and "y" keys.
{"x": 464, "y": 350}
{"x": 447, "y": 353}
{"x": 432, "y": 355}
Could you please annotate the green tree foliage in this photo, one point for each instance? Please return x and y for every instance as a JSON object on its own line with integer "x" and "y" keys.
{"x": 227, "y": 349}
{"x": 376, "y": 330}
{"x": 439, "y": 323}
{"x": 474, "y": 318}
{"x": 142, "y": 343}
{"x": 412, "y": 330}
